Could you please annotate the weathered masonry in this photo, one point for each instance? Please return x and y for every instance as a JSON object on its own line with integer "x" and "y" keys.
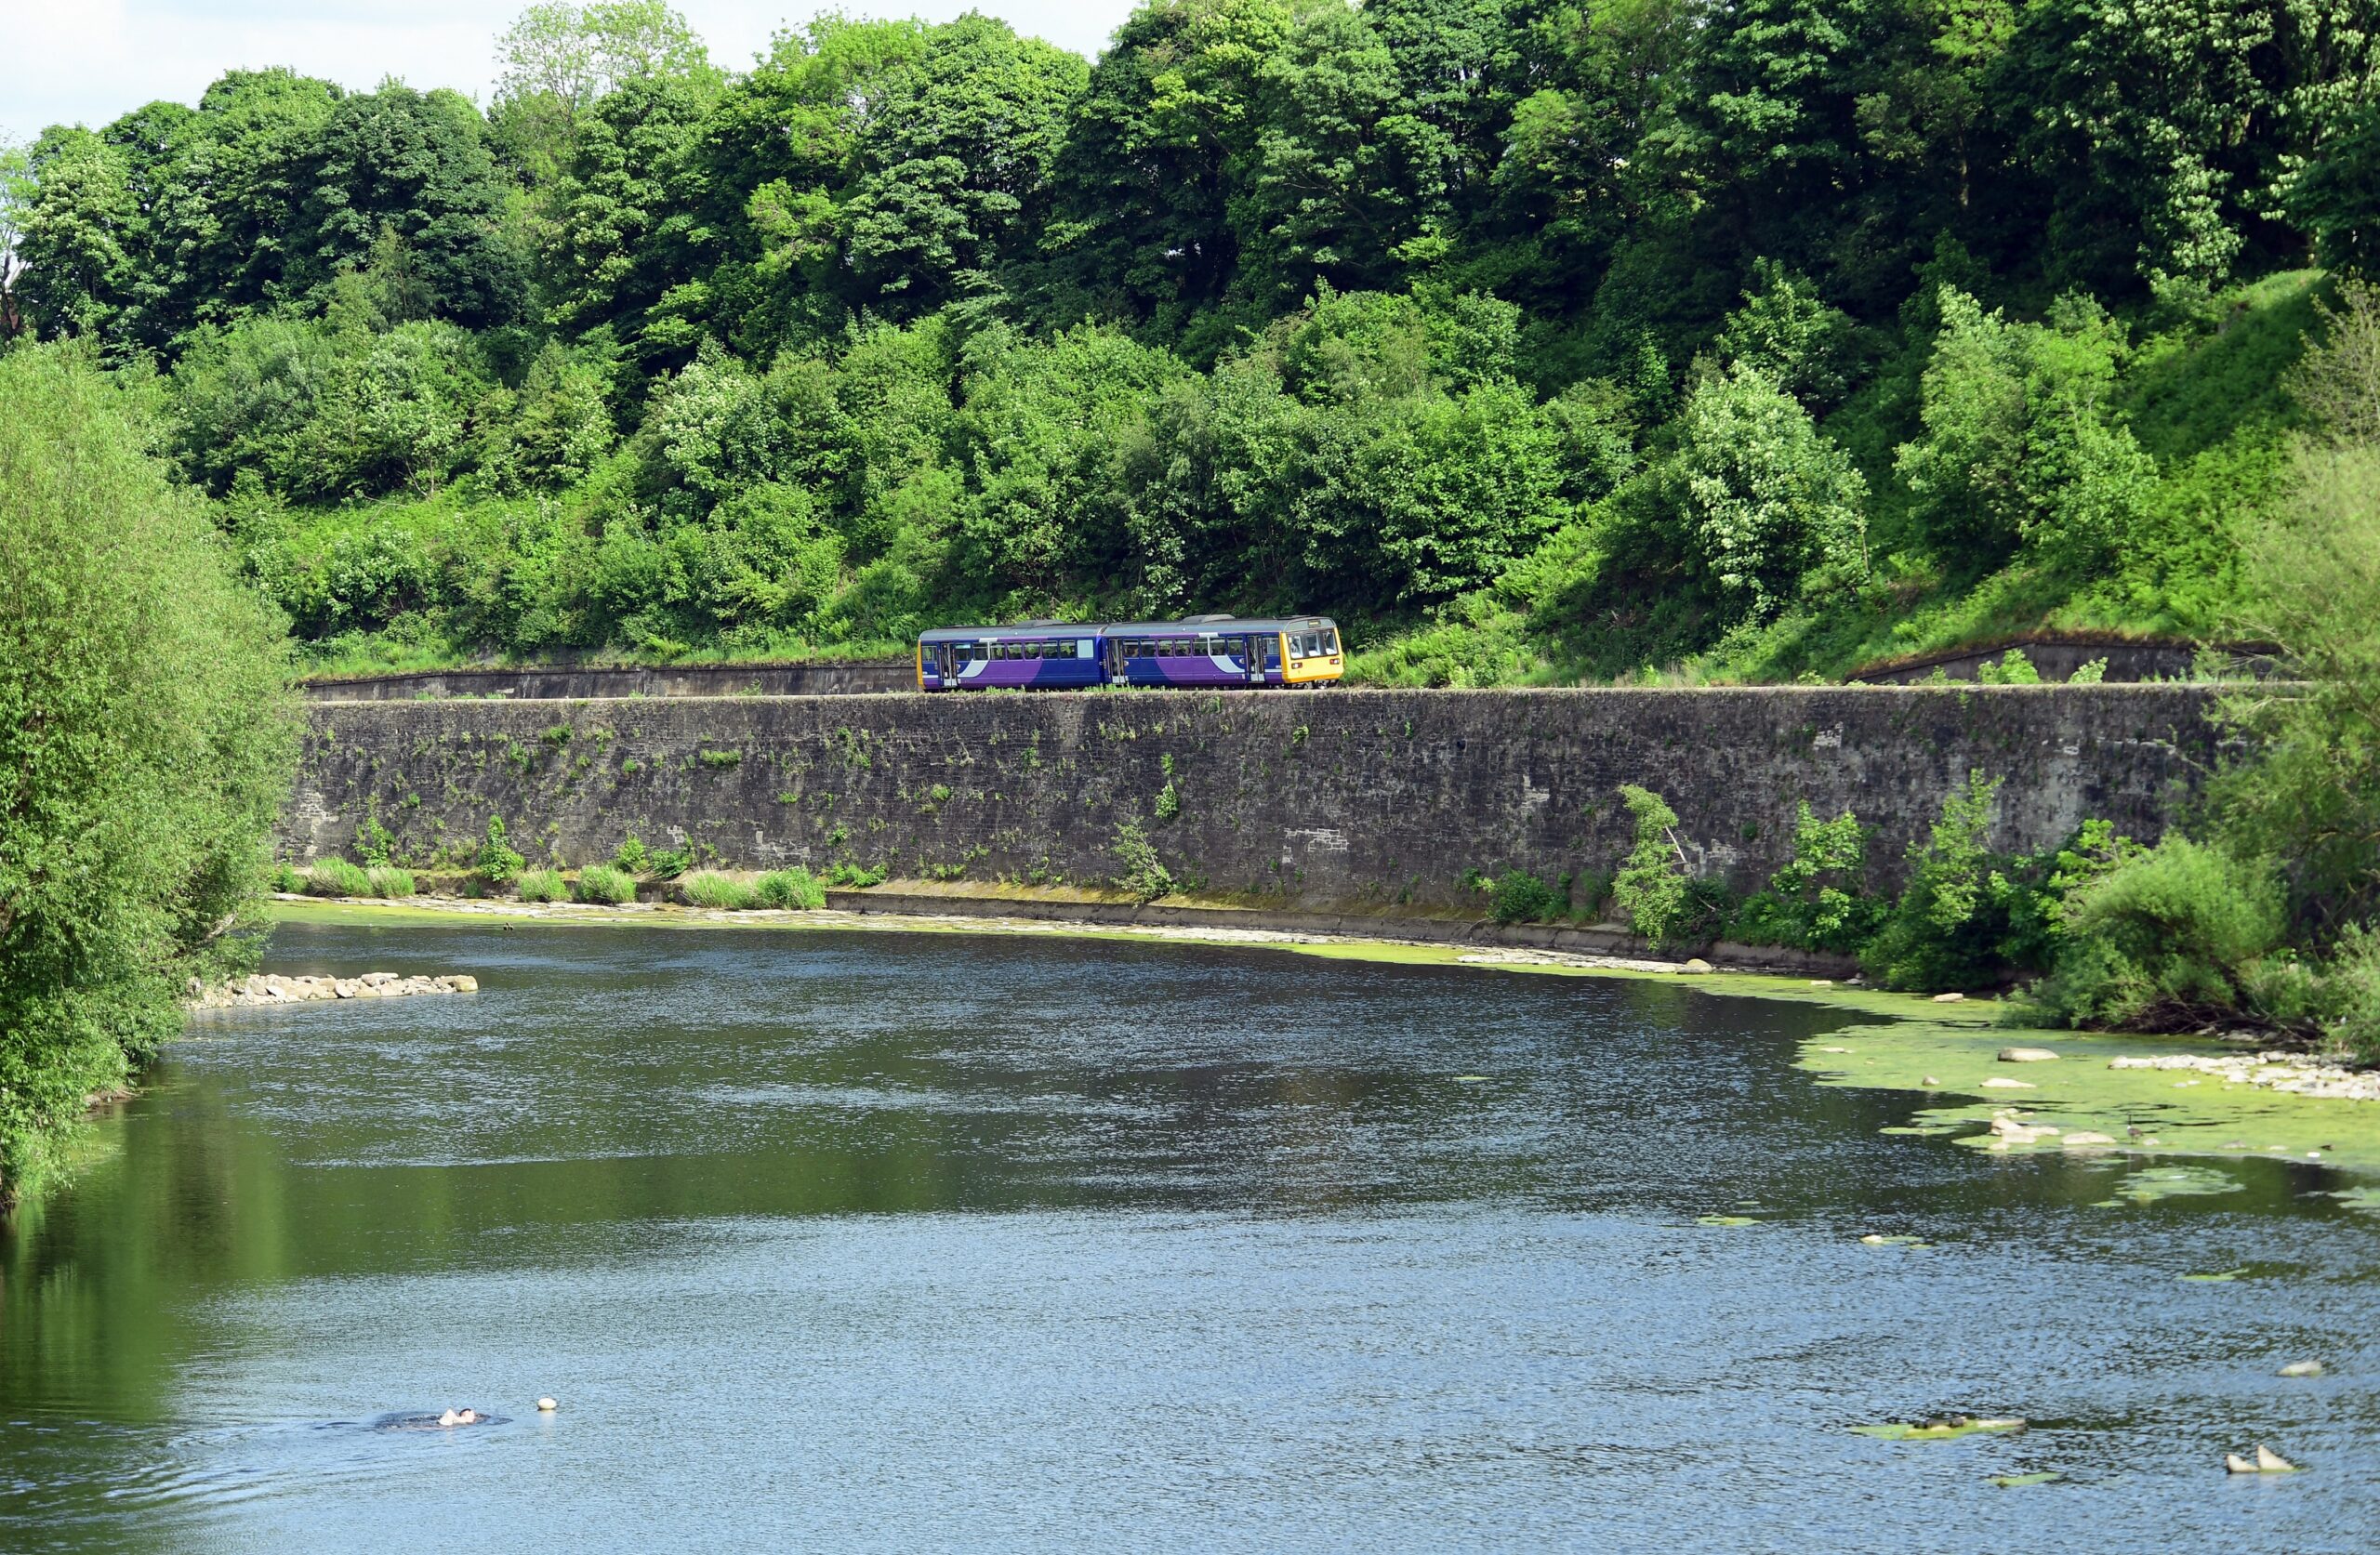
{"x": 1344, "y": 798}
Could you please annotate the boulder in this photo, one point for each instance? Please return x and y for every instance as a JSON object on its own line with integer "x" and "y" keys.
{"x": 2027, "y": 1055}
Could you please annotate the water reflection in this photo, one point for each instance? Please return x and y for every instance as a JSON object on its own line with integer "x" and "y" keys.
{"x": 875, "y": 1240}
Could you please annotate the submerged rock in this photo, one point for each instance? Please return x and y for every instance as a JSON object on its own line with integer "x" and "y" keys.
{"x": 2301, "y": 1368}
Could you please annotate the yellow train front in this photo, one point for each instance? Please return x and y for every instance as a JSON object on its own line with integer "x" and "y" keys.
{"x": 1206, "y": 652}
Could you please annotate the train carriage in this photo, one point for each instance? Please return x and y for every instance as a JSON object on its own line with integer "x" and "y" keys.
{"x": 1208, "y": 650}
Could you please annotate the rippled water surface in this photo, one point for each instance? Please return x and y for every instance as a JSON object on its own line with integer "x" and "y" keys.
{"x": 871, "y": 1241}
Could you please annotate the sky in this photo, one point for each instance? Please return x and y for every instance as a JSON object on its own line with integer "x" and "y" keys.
{"x": 66, "y": 62}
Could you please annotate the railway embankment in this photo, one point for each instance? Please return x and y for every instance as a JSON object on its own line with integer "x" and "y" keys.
{"x": 1334, "y": 802}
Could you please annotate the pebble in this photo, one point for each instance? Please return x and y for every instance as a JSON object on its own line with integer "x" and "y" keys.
{"x": 2293, "y": 1073}
{"x": 2301, "y": 1368}
{"x": 547, "y": 1406}
{"x": 2025, "y": 1055}
{"x": 262, "y": 988}
{"x": 2001, "y": 1082}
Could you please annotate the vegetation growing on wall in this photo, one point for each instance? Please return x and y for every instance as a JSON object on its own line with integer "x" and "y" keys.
{"x": 1534, "y": 340}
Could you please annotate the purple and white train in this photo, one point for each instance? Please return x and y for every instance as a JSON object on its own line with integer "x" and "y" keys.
{"x": 1211, "y": 651}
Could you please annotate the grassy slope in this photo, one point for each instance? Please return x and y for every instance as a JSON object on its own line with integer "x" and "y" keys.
{"x": 2203, "y": 395}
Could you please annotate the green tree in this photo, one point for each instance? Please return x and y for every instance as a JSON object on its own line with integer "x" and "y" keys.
{"x": 1774, "y": 507}
{"x": 146, "y": 740}
{"x": 2018, "y": 448}
{"x": 558, "y": 58}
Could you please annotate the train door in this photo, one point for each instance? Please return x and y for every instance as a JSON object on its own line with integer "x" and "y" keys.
{"x": 1253, "y": 648}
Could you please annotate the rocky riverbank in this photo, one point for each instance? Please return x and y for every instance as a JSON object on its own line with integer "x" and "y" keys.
{"x": 273, "y": 988}
{"x": 2293, "y": 1072}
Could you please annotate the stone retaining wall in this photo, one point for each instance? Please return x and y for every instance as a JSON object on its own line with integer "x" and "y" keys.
{"x": 1338, "y": 799}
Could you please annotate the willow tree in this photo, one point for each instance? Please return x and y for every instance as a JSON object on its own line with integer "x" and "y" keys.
{"x": 146, "y": 735}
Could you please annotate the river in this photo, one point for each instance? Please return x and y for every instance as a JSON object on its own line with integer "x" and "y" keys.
{"x": 862, "y": 1240}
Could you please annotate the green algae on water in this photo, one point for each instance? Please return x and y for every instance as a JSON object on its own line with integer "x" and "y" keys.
{"x": 2038, "y": 1476}
{"x": 2117, "y": 1112}
{"x": 2151, "y": 1184}
{"x": 1949, "y": 1430}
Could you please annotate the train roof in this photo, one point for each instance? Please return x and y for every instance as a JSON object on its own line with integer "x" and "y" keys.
{"x": 1039, "y": 631}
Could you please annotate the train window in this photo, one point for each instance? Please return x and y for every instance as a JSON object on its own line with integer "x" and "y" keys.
{"x": 1330, "y": 638}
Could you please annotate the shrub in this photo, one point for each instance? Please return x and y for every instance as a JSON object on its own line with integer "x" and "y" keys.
{"x": 2168, "y": 938}
{"x": 1815, "y": 901}
{"x": 498, "y": 865}
{"x": 790, "y": 888}
{"x": 286, "y": 878}
{"x": 374, "y": 843}
{"x": 337, "y": 877}
{"x": 389, "y": 880}
{"x": 603, "y": 886}
{"x": 1523, "y": 898}
{"x": 710, "y": 889}
{"x": 2354, "y": 1022}
{"x": 857, "y": 876}
{"x": 670, "y": 862}
{"x": 1144, "y": 875}
{"x": 543, "y": 884}
{"x": 1650, "y": 889}
{"x": 631, "y": 857}
{"x": 1968, "y": 917}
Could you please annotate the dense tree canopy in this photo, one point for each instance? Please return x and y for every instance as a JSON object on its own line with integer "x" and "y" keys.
{"x": 1631, "y": 330}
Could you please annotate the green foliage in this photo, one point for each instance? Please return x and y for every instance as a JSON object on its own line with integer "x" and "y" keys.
{"x": 790, "y": 888}
{"x": 336, "y": 876}
{"x": 1774, "y": 508}
{"x": 2017, "y": 451}
{"x": 498, "y": 863}
{"x": 374, "y": 844}
{"x": 2168, "y": 938}
{"x": 1651, "y": 889}
{"x": 721, "y": 892}
{"x": 2014, "y": 669}
{"x": 1169, "y": 802}
{"x": 603, "y": 886}
{"x": 390, "y": 881}
{"x": 630, "y": 858}
{"x": 667, "y": 864}
{"x": 1817, "y": 899}
{"x": 1966, "y": 914}
{"x": 147, "y": 736}
{"x": 542, "y": 885}
{"x": 1144, "y": 875}
{"x": 1535, "y": 346}
{"x": 1523, "y": 898}
{"x": 852, "y": 876}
